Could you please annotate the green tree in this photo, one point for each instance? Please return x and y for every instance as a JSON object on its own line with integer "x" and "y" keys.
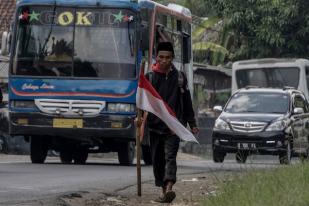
{"x": 206, "y": 50}
{"x": 266, "y": 28}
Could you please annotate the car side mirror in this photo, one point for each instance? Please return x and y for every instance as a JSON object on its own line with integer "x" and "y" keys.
{"x": 218, "y": 108}
{"x": 298, "y": 110}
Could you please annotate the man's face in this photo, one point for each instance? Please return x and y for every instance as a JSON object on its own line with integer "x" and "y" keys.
{"x": 164, "y": 59}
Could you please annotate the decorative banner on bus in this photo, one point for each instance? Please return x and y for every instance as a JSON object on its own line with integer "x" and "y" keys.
{"x": 67, "y": 17}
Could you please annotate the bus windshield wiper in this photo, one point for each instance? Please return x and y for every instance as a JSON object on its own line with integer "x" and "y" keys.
{"x": 49, "y": 34}
{"x": 130, "y": 40}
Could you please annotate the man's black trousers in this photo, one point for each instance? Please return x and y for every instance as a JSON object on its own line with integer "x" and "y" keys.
{"x": 164, "y": 149}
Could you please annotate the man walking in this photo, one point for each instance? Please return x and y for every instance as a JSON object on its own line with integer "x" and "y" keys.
{"x": 164, "y": 143}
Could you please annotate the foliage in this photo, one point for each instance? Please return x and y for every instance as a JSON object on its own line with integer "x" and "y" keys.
{"x": 211, "y": 51}
{"x": 281, "y": 186}
{"x": 266, "y": 28}
{"x": 217, "y": 52}
{"x": 206, "y": 24}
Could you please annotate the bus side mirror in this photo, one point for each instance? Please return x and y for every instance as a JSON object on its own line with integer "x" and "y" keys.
{"x": 145, "y": 38}
{"x": 5, "y": 44}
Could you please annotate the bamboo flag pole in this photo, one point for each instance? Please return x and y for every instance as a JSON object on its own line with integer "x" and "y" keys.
{"x": 138, "y": 143}
{"x": 138, "y": 153}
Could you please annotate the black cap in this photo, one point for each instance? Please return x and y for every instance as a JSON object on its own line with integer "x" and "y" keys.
{"x": 165, "y": 46}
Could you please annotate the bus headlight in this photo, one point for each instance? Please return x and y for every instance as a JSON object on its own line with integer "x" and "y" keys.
{"x": 23, "y": 104}
{"x": 120, "y": 107}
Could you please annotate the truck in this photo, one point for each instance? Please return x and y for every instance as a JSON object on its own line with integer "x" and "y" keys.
{"x": 271, "y": 72}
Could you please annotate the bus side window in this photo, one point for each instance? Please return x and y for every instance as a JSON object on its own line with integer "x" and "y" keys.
{"x": 177, "y": 42}
{"x": 144, "y": 37}
{"x": 186, "y": 49}
{"x": 145, "y": 30}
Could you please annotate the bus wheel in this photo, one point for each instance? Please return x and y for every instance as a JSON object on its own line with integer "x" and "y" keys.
{"x": 66, "y": 157}
{"x": 38, "y": 149}
{"x": 126, "y": 153}
{"x": 80, "y": 156}
{"x": 147, "y": 157}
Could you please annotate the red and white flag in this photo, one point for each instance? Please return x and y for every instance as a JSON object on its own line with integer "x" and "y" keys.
{"x": 148, "y": 99}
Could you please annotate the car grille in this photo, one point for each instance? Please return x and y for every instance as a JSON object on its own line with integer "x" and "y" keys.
{"x": 248, "y": 126}
{"x": 70, "y": 107}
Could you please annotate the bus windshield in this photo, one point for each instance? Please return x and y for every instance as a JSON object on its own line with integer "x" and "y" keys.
{"x": 268, "y": 77}
{"x": 71, "y": 42}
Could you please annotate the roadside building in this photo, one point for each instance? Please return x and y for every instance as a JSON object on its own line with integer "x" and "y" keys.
{"x": 212, "y": 86}
{"x": 7, "y": 9}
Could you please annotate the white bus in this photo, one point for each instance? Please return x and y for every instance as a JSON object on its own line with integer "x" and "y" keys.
{"x": 276, "y": 73}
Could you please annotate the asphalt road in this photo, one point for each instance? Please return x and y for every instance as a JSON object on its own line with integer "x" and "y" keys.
{"x": 22, "y": 182}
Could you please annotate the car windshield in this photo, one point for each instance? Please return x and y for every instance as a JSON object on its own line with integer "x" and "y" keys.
{"x": 258, "y": 103}
{"x": 275, "y": 77}
{"x": 70, "y": 42}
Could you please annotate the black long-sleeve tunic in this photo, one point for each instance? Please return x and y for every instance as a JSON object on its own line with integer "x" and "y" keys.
{"x": 167, "y": 85}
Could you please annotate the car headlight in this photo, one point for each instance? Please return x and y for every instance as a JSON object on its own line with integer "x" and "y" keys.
{"x": 221, "y": 125}
{"x": 23, "y": 104}
{"x": 277, "y": 126}
{"x": 120, "y": 107}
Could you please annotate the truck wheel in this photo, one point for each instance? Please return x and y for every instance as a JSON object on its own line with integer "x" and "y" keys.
{"x": 147, "y": 157}
{"x": 80, "y": 156}
{"x": 126, "y": 153}
{"x": 241, "y": 156}
{"x": 218, "y": 156}
{"x": 66, "y": 157}
{"x": 285, "y": 156}
{"x": 38, "y": 149}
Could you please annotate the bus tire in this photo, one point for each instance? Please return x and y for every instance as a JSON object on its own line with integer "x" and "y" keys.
{"x": 5, "y": 147}
{"x": 80, "y": 156}
{"x": 66, "y": 157}
{"x": 126, "y": 153}
{"x": 38, "y": 149}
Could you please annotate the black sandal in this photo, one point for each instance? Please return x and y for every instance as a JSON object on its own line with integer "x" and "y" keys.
{"x": 169, "y": 196}
{"x": 160, "y": 199}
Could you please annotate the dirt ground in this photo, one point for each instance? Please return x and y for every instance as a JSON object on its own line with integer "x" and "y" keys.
{"x": 190, "y": 190}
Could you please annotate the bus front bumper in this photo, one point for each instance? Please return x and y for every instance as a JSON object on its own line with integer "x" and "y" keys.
{"x": 102, "y": 126}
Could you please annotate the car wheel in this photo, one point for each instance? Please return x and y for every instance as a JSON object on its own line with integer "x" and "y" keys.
{"x": 147, "y": 157}
{"x": 285, "y": 156}
{"x": 66, "y": 157}
{"x": 38, "y": 149}
{"x": 218, "y": 156}
{"x": 126, "y": 153}
{"x": 241, "y": 156}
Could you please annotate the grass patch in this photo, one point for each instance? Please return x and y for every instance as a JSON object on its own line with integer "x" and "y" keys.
{"x": 284, "y": 186}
